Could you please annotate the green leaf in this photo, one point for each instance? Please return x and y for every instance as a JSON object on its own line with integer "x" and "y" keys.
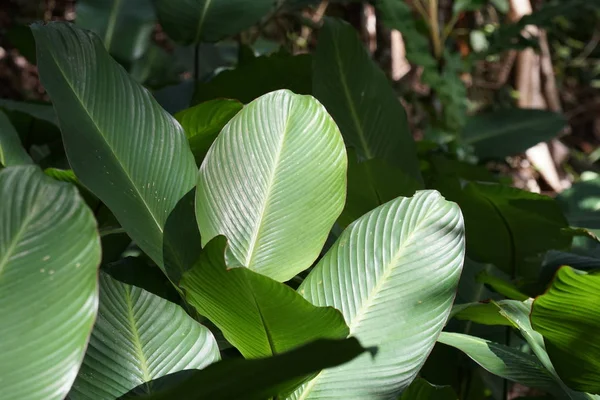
{"x": 420, "y": 389}
{"x": 505, "y": 133}
{"x": 510, "y": 227}
{"x": 44, "y": 112}
{"x": 67, "y": 175}
{"x": 202, "y": 123}
{"x": 135, "y": 271}
{"x": 372, "y": 183}
{"x": 122, "y": 146}
{"x": 581, "y": 202}
{"x": 49, "y": 255}
{"x": 518, "y": 313}
{"x": 499, "y": 285}
{"x": 259, "y": 379}
{"x": 194, "y": 21}
{"x": 393, "y": 273}
{"x": 259, "y": 76}
{"x": 11, "y": 149}
{"x": 124, "y": 26}
{"x": 503, "y": 361}
{"x": 358, "y": 96}
{"x": 568, "y": 316}
{"x": 138, "y": 337}
{"x": 481, "y": 313}
{"x": 273, "y": 183}
{"x": 259, "y": 316}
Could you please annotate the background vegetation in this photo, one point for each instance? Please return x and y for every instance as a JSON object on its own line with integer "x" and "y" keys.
{"x": 491, "y": 103}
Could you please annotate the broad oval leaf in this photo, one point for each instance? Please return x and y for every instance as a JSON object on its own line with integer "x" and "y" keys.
{"x": 138, "y": 337}
{"x": 193, "y": 21}
{"x": 393, "y": 273}
{"x": 124, "y": 26}
{"x": 122, "y": 146}
{"x": 11, "y": 149}
{"x": 203, "y": 122}
{"x": 508, "y": 132}
{"x": 358, "y": 96}
{"x": 568, "y": 316}
{"x": 259, "y": 316}
{"x": 274, "y": 183}
{"x": 49, "y": 255}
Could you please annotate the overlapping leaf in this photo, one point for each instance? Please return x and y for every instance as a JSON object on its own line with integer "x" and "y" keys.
{"x": 372, "y": 183}
{"x": 358, "y": 96}
{"x": 259, "y": 76}
{"x": 138, "y": 337}
{"x": 259, "y": 316}
{"x": 124, "y": 26}
{"x": 393, "y": 273}
{"x": 257, "y": 379}
{"x": 193, "y": 21}
{"x": 568, "y": 316}
{"x": 509, "y": 132}
{"x": 11, "y": 150}
{"x": 203, "y": 122}
{"x": 120, "y": 143}
{"x": 503, "y": 361}
{"x": 49, "y": 255}
{"x": 273, "y": 183}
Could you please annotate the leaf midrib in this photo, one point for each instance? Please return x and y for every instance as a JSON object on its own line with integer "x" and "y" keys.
{"x": 347, "y": 96}
{"x": 13, "y": 245}
{"x": 359, "y": 316}
{"x": 112, "y": 153}
{"x": 202, "y": 18}
{"x": 270, "y": 184}
{"x": 136, "y": 339}
{"x": 110, "y": 26}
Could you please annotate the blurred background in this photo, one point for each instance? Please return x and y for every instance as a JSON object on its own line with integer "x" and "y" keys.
{"x": 448, "y": 60}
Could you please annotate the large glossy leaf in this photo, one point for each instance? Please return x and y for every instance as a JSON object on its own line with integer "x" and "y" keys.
{"x": 259, "y": 316}
{"x": 11, "y": 149}
{"x": 49, "y": 255}
{"x": 568, "y": 316}
{"x": 124, "y": 26}
{"x": 262, "y": 378}
{"x": 503, "y": 361}
{"x": 202, "y": 123}
{"x": 273, "y": 183}
{"x": 509, "y": 227}
{"x": 508, "y": 132}
{"x": 393, "y": 273}
{"x": 120, "y": 143}
{"x": 358, "y": 96}
{"x": 372, "y": 183}
{"x": 259, "y": 76}
{"x": 193, "y": 21}
{"x": 138, "y": 337}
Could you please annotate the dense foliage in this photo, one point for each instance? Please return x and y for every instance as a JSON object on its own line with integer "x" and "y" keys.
{"x": 269, "y": 228}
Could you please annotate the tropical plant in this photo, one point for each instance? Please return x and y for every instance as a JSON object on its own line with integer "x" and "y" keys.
{"x": 277, "y": 232}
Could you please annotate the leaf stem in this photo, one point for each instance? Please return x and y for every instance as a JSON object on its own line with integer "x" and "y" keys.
{"x": 435, "y": 28}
